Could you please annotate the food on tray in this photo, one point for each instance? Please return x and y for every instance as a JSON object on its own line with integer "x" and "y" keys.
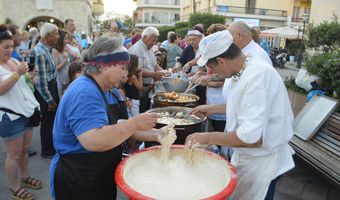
{"x": 176, "y": 97}
{"x": 177, "y": 118}
{"x": 171, "y": 95}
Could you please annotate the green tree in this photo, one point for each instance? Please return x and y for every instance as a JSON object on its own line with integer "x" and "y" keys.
{"x": 324, "y": 41}
{"x": 163, "y": 31}
{"x": 8, "y": 20}
{"x": 206, "y": 19}
{"x": 326, "y": 35}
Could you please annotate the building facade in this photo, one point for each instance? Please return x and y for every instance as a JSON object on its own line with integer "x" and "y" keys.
{"x": 323, "y": 10}
{"x": 261, "y": 13}
{"x": 156, "y": 12}
{"x": 26, "y": 13}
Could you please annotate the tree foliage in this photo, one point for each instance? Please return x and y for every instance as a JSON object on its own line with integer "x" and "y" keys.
{"x": 206, "y": 19}
{"x": 323, "y": 40}
{"x": 326, "y": 35}
{"x": 163, "y": 31}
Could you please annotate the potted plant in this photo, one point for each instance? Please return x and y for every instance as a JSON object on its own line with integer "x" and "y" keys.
{"x": 292, "y": 50}
{"x": 324, "y": 62}
{"x": 297, "y": 95}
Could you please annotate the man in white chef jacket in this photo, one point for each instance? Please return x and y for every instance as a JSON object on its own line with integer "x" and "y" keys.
{"x": 259, "y": 116}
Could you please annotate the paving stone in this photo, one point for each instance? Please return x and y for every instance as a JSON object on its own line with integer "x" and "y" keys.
{"x": 314, "y": 192}
{"x": 334, "y": 194}
{"x": 282, "y": 196}
{"x": 289, "y": 185}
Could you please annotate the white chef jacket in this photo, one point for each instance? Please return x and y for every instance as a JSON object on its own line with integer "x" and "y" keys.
{"x": 251, "y": 50}
{"x": 258, "y": 106}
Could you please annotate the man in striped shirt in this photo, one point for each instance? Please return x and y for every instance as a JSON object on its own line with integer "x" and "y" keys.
{"x": 47, "y": 85}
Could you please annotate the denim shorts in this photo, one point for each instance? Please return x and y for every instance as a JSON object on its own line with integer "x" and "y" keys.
{"x": 12, "y": 129}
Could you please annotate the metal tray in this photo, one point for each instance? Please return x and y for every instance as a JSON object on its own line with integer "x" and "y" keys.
{"x": 313, "y": 115}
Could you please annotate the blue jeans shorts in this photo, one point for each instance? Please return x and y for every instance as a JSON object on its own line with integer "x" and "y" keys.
{"x": 12, "y": 129}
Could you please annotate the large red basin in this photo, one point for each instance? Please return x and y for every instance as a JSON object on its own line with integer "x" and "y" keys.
{"x": 135, "y": 195}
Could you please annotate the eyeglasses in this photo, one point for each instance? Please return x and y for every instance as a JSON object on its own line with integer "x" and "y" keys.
{"x": 5, "y": 33}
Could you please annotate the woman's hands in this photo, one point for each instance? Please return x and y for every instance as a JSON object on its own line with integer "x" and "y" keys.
{"x": 22, "y": 68}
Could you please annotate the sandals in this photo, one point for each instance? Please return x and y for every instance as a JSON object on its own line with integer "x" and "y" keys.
{"x": 21, "y": 194}
{"x": 30, "y": 182}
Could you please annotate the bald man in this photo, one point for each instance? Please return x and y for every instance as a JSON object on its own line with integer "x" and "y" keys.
{"x": 242, "y": 37}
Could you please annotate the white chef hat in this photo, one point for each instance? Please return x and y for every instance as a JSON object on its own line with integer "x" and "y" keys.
{"x": 214, "y": 45}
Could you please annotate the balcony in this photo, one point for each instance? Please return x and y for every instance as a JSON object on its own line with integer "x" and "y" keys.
{"x": 155, "y": 22}
{"x": 260, "y": 13}
{"x": 97, "y": 8}
{"x": 170, "y": 4}
{"x": 244, "y": 12}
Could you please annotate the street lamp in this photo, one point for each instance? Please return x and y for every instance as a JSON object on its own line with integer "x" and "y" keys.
{"x": 300, "y": 51}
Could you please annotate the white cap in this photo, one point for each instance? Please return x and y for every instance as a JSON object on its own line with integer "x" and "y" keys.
{"x": 214, "y": 45}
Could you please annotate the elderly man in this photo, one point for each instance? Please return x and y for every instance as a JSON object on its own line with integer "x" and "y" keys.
{"x": 241, "y": 33}
{"x": 259, "y": 116}
{"x": 47, "y": 85}
{"x": 147, "y": 61}
{"x": 242, "y": 37}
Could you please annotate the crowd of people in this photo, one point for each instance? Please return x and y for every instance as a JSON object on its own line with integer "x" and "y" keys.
{"x": 92, "y": 99}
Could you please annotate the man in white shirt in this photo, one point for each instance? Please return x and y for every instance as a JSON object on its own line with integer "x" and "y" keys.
{"x": 147, "y": 62}
{"x": 242, "y": 37}
{"x": 259, "y": 116}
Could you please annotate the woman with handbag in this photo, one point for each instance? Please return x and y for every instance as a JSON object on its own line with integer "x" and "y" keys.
{"x": 17, "y": 104}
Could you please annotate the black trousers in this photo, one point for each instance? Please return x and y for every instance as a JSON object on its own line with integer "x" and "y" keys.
{"x": 145, "y": 101}
{"x": 218, "y": 125}
{"x": 47, "y": 120}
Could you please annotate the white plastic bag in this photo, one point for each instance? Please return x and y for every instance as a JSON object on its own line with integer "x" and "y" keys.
{"x": 304, "y": 79}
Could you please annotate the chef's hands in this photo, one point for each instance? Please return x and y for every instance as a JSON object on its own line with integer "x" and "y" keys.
{"x": 197, "y": 140}
{"x": 145, "y": 121}
{"x": 164, "y": 131}
{"x": 201, "y": 111}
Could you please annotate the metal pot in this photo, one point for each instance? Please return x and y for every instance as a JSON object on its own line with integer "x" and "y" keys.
{"x": 182, "y": 131}
{"x": 159, "y": 100}
{"x": 175, "y": 84}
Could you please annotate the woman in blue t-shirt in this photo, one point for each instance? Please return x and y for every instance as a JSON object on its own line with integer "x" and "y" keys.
{"x": 86, "y": 135}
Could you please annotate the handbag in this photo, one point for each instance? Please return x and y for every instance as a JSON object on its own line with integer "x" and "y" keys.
{"x": 33, "y": 120}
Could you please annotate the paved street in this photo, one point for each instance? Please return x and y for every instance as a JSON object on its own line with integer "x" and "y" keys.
{"x": 301, "y": 183}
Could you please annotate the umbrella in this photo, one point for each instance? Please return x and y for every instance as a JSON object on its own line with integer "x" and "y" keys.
{"x": 285, "y": 32}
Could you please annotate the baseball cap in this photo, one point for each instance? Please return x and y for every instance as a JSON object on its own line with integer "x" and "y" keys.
{"x": 214, "y": 45}
{"x": 120, "y": 25}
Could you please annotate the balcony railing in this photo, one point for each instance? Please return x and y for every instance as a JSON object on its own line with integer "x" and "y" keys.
{"x": 251, "y": 11}
{"x": 222, "y": 9}
{"x": 161, "y": 3}
{"x": 157, "y": 21}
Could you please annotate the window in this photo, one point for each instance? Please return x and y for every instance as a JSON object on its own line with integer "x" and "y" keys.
{"x": 296, "y": 12}
{"x": 146, "y": 17}
{"x": 161, "y": 18}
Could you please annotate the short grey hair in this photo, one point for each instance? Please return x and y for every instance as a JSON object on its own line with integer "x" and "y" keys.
{"x": 150, "y": 31}
{"x": 46, "y": 29}
{"x": 105, "y": 44}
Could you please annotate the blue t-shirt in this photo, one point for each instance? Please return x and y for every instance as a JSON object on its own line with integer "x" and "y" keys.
{"x": 81, "y": 109}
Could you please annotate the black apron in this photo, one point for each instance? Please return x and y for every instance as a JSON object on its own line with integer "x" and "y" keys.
{"x": 90, "y": 175}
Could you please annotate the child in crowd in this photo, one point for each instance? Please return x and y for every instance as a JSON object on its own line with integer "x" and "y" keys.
{"x": 75, "y": 70}
{"x": 133, "y": 85}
